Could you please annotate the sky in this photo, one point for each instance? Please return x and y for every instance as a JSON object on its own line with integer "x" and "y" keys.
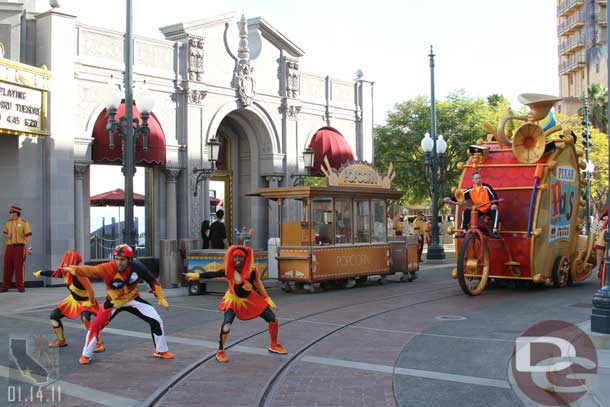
{"x": 481, "y": 46}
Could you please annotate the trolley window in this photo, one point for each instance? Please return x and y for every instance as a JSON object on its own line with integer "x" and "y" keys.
{"x": 379, "y": 221}
{"x": 295, "y": 225}
{"x": 362, "y": 221}
{"x": 322, "y": 219}
{"x": 343, "y": 216}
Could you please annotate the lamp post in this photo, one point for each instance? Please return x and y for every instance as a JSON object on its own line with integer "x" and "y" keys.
{"x": 600, "y": 313}
{"x": 586, "y": 142}
{"x": 203, "y": 174}
{"x": 434, "y": 151}
{"x": 308, "y": 157}
{"x": 127, "y": 126}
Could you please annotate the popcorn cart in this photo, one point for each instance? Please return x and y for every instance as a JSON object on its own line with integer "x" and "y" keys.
{"x": 338, "y": 233}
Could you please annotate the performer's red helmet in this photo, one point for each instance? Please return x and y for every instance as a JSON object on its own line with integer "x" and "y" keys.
{"x": 123, "y": 250}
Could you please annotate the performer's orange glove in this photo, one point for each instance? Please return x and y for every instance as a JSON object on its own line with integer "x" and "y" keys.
{"x": 163, "y": 303}
{"x": 270, "y": 302}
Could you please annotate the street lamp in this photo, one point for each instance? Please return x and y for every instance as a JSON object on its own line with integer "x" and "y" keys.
{"x": 127, "y": 126}
{"x": 434, "y": 151}
{"x": 203, "y": 174}
{"x": 308, "y": 157}
{"x": 600, "y": 313}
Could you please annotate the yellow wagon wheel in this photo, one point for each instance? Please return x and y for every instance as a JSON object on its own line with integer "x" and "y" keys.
{"x": 473, "y": 265}
{"x": 561, "y": 272}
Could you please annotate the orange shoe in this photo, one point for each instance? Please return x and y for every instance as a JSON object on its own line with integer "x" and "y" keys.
{"x": 221, "y": 356}
{"x": 277, "y": 348}
{"x": 163, "y": 355}
{"x": 57, "y": 343}
{"x": 99, "y": 347}
{"x": 84, "y": 360}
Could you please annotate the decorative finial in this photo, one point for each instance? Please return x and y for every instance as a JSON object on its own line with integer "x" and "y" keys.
{"x": 54, "y": 3}
{"x": 243, "y": 52}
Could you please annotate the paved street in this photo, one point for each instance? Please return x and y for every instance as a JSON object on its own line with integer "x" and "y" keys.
{"x": 409, "y": 344}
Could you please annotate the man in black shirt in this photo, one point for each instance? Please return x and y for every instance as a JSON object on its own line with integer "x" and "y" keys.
{"x": 218, "y": 233}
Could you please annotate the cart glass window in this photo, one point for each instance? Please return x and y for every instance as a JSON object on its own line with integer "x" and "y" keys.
{"x": 343, "y": 214}
{"x": 295, "y": 227}
{"x": 322, "y": 217}
{"x": 361, "y": 221}
{"x": 379, "y": 221}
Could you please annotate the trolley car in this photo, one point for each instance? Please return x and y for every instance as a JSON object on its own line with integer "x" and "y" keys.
{"x": 536, "y": 173}
{"x": 338, "y": 233}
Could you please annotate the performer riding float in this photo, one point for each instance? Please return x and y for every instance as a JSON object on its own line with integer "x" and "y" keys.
{"x": 80, "y": 303}
{"x": 245, "y": 298}
{"x": 121, "y": 276}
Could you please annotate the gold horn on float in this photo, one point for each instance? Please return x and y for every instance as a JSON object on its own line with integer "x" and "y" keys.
{"x": 529, "y": 139}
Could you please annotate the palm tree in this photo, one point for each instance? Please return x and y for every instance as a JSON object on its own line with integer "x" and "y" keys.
{"x": 599, "y": 107}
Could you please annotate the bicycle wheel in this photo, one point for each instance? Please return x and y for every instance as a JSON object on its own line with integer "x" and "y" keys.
{"x": 473, "y": 265}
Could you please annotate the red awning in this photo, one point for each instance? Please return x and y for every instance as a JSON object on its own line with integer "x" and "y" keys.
{"x": 214, "y": 201}
{"x": 115, "y": 198}
{"x": 103, "y": 154}
{"x": 330, "y": 143}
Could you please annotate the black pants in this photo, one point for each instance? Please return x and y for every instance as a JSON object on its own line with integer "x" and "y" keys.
{"x": 492, "y": 213}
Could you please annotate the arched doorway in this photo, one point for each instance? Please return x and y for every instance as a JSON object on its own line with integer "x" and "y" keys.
{"x": 248, "y": 141}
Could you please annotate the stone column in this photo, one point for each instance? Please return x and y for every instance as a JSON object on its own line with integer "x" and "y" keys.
{"x": 81, "y": 240}
{"x": 206, "y": 199}
{"x": 171, "y": 227}
{"x": 273, "y": 181}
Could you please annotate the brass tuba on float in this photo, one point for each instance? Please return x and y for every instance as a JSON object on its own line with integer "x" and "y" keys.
{"x": 529, "y": 139}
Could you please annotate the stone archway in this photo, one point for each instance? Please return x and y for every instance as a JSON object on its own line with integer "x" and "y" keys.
{"x": 255, "y": 158}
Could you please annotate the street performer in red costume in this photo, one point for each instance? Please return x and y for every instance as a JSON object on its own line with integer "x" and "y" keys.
{"x": 121, "y": 277}
{"x": 246, "y": 297}
{"x": 80, "y": 303}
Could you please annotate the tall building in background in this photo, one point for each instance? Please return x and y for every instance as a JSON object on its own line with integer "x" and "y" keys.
{"x": 582, "y": 30}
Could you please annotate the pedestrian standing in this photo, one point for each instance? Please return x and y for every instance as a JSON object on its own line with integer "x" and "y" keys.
{"x": 218, "y": 232}
{"x": 18, "y": 240}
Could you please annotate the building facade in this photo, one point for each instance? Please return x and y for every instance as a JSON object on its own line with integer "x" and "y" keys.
{"x": 230, "y": 77}
{"x": 582, "y": 37}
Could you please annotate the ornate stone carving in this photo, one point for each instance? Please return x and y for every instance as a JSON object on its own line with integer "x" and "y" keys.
{"x": 291, "y": 111}
{"x": 358, "y": 115}
{"x": 196, "y": 96}
{"x": 195, "y": 69}
{"x": 293, "y": 78}
{"x": 273, "y": 181}
{"x": 172, "y": 174}
{"x": 80, "y": 170}
{"x": 243, "y": 81}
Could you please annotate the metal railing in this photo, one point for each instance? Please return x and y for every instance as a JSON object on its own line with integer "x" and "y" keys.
{"x": 572, "y": 22}
{"x": 101, "y": 247}
{"x": 572, "y": 62}
{"x": 572, "y": 43}
{"x": 567, "y": 5}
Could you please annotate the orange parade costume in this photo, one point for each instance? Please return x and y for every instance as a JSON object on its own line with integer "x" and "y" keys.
{"x": 122, "y": 295}
{"x": 246, "y": 298}
{"x": 80, "y": 303}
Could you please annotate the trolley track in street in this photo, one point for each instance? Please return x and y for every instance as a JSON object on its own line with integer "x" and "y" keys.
{"x": 162, "y": 391}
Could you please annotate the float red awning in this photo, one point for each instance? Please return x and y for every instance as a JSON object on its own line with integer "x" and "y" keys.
{"x": 330, "y": 143}
{"x": 115, "y": 198}
{"x": 101, "y": 152}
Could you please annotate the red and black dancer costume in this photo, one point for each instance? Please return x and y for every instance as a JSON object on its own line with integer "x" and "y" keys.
{"x": 246, "y": 298}
{"x": 122, "y": 295}
{"x": 80, "y": 303}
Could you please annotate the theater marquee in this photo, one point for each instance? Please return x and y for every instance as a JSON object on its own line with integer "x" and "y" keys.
{"x": 23, "y": 99}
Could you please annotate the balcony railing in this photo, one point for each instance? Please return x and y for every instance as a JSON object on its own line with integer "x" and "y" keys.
{"x": 572, "y": 44}
{"x": 572, "y": 63}
{"x": 574, "y": 21}
{"x": 566, "y": 6}
{"x": 602, "y": 19}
